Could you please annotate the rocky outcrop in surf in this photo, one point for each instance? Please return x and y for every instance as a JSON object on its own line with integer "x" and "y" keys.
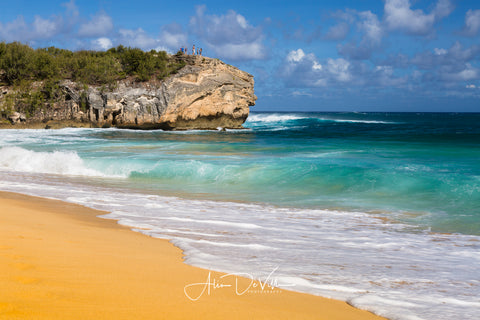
{"x": 205, "y": 94}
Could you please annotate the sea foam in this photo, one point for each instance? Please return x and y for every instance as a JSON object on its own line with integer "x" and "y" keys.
{"x": 272, "y": 118}
{"x": 269, "y": 118}
{"x": 356, "y": 121}
{"x": 57, "y": 162}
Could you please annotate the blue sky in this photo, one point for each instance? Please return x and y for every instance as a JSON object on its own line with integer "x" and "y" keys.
{"x": 357, "y": 55}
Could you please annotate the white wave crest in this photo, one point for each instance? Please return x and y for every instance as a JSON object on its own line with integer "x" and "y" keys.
{"x": 273, "y": 118}
{"x": 356, "y": 121}
{"x": 58, "y": 162}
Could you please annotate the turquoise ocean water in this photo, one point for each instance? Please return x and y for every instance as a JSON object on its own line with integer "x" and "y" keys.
{"x": 379, "y": 209}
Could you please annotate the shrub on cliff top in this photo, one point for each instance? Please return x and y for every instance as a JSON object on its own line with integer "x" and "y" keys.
{"x": 19, "y": 62}
{"x": 16, "y": 61}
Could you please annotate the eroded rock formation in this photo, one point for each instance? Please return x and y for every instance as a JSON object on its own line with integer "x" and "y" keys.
{"x": 205, "y": 94}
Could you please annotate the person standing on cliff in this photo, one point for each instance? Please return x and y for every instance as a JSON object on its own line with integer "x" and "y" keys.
{"x": 193, "y": 50}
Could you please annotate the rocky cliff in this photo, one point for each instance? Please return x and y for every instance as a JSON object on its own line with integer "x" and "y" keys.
{"x": 205, "y": 94}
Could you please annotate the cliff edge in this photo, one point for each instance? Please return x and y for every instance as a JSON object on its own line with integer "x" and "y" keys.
{"x": 205, "y": 94}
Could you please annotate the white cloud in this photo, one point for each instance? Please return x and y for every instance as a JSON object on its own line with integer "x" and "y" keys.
{"x": 338, "y": 31}
{"x": 448, "y": 67}
{"x": 242, "y": 21}
{"x": 100, "y": 25}
{"x": 298, "y": 55}
{"x": 241, "y": 51}
{"x": 385, "y": 76}
{"x": 71, "y": 8}
{"x": 399, "y": 16}
{"x": 71, "y": 15}
{"x": 442, "y": 9}
{"x": 39, "y": 29}
{"x": 440, "y": 51}
{"x": 472, "y": 22}
{"x": 371, "y": 26}
{"x": 317, "y": 66}
{"x": 451, "y": 74}
{"x": 137, "y": 38}
{"x": 305, "y": 69}
{"x": 339, "y": 69}
{"x": 172, "y": 37}
{"x": 301, "y": 93}
{"x": 295, "y": 55}
{"x": 370, "y": 29}
{"x": 16, "y": 30}
{"x": 322, "y": 82}
{"x": 229, "y": 36}
{"x": 102, "y": 43}
{"x": 44, "y": 28}
{"x": 467, "y": 74}
{"x": 384, "y": 69}
{"x": 455, "y": 57}
{"x": 471, "y": 86}
{"x": 302, "y": 69}
{"x": 98, "y": 32}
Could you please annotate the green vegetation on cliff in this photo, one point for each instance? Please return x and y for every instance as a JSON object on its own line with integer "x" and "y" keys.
{"x": 34, "y": 74}
{"x": 19, "y": 62}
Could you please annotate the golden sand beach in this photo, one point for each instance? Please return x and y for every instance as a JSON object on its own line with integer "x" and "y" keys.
{"x": 60, "y": 261}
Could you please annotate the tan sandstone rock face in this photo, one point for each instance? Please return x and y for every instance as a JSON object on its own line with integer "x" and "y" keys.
{"x": 205, "y": 94}
{"x": 209, "y": 93}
